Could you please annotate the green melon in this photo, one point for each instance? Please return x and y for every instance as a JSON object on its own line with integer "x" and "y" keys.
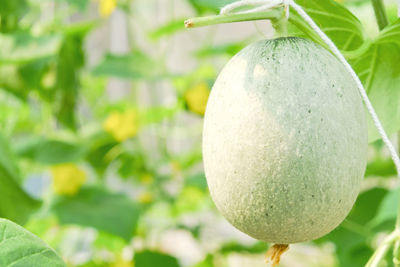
{"x": 284, "y": 141}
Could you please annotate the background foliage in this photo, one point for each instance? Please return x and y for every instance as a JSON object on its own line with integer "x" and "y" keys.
{"x": 100, "y": 145}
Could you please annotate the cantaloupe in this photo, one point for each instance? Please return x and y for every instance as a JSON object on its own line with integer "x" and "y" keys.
{"x": 284, "y": 141}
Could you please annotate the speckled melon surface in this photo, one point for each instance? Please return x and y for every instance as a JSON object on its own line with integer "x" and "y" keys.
{"x": 284, "y": 141}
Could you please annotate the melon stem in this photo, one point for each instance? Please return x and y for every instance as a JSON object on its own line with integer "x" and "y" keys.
{"x": 274, "y": 254}
{"x": 273, "y": 14}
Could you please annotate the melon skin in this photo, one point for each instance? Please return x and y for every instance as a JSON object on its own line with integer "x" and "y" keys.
{"x": 284, "y": 141}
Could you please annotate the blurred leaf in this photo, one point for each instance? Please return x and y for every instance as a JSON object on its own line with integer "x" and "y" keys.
{"x": 216, "y": 50}
{"x": 351, "y": 237}
{"x": 335, "y": 20}
{"x": 11, "y": 6}
{"x": 197, "y": 180}
{"x": 31, "y": 74}
{"x": 15, "y": 204}
{"x": 98, "y": 208}
{"x": 188, "y": 160}
{"x": 50, "y": 151}
{"x": 69, "y": 62}
{"x": 7, "y": 159}
{"x": 109, "y": 242}
{"x": 94, "y": 264}
{"x": 23, "y": 47}
{"x": 168, "y": 29}
{"x": 18, "y": 247}
{"x": 149, "y": 258}
{"x": 381, "y": 167}
{"x": 11, "y": 81}
{"x": 380, "y": 74}
{"x": 258, "y": 247}
{"x": 388, "y": 208}
{"x": 11, "y": 12}
{"x": 81, "y": 28}
{"x": 203, "y": 6}
{"x": 351, "y": 248}
{"x": 99, "y": 148}
{"x": 191, "y": 199}
{"x": 207, "y": 262}
{"x": 131, "y": 164}
{"x": 367, "y": 205}
{"x": 130, "y": 66}
{"x": 158, "y": 114}
{"x": 80, "y": 4}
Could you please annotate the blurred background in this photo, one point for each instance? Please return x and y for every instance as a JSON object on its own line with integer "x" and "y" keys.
{"x": 101, "y": 115}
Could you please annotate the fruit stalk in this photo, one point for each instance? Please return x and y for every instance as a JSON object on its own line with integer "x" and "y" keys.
{"x": 273, "y": 14}
{"x": 280, "y": 25}
{"x": 380, "y": 14}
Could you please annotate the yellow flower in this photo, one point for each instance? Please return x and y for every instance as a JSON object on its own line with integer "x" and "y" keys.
{"x": 196, "y": 98}
{"x": 107, "y": 7}
{"x": 67, "y": 179}
{"x": 122, "y": 125}
{"x": 146, "y": 198}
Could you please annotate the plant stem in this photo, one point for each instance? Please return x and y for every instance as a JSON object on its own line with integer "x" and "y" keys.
{"x": 280, "y": 25}
{"x": 380, "y": 14}
{"x": 273, "y": 14}
{"x": 383, "y": 248}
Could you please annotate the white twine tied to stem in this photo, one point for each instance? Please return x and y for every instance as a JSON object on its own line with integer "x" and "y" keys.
{"x": 261, "y": 5}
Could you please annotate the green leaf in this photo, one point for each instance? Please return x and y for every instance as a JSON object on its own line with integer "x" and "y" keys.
{"x": 203, "y": 6}
{"x": 20, "y": 248}
{"x": 101, "y": 144}
{"x": 130, "y": 66}
{"x": 390, "y": 34}
{"x": 207, "y": 262}
{"x": 23, "y": 47}
{"x": 70, "y": 60}
{"x": 50, "y": 151}
{"x": 198, "y": 180}
{"x": 15, "y": 203}
{"x": 259, "y": 247}
{"x": 11, "y": 11}
{"x": 367, "y": 205}
{"x": 216, "y": 50}
{"x": 8, "y": 7}
{"x": 157, "y": 114}
{"x": 168, "y": 29}
{"x": 351, "y": 248}
{"x": 149, "y": 258}
{"x": 383, "y": 167}
{"x": 335, "y": 20}
{"x": 7, "y": 159}
{"x": 95, "y": 207}
{"x": 378, "y": 69}
{"x": 351, "y": 237}
{"x": 388, "y": 208}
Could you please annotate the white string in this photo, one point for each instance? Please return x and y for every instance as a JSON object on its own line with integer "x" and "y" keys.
{"x": 257, "y": 9}
{"x": 265, "y": 5}
{"x": 335, "y": 51}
